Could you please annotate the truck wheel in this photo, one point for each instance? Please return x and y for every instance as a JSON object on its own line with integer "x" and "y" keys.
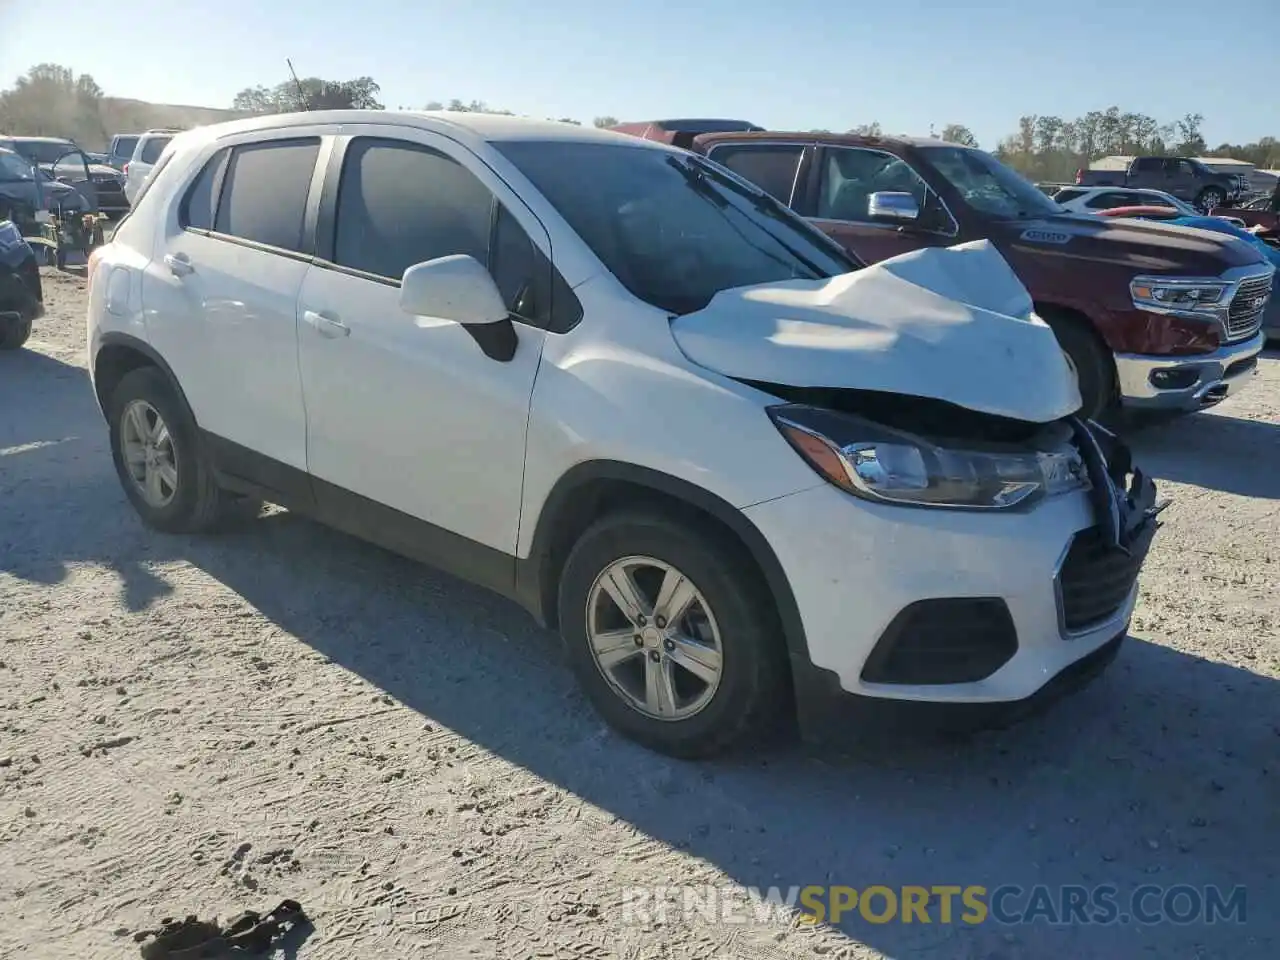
{"x": 1211, "y": 197}
{"x": 1091, "y": 362}
{"x": 671, "y": 634}
{"x": 13, "y": 336}
{"x": 157, "y": 455}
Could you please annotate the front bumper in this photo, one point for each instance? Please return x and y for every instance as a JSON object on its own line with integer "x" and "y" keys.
{"x": 855, "y": 568}
{"x": 1195, "y": 381}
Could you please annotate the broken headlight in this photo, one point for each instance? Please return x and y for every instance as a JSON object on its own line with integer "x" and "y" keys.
{"x": 1179, "y": 296}
{"x": 890, "y": 466}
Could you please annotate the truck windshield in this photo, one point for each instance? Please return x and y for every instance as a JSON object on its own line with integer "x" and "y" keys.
{"x": 675, "y": 230}
{"x": 989, "y": 186}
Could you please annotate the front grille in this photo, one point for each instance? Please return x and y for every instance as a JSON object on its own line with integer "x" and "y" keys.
{"x": 1245, "y": 314}
{"x": 1095, "y": 579}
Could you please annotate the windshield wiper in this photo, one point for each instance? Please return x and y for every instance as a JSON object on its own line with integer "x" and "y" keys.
{"x": 709, "y": 185}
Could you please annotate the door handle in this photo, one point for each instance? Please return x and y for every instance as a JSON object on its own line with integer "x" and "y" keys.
{"x": 326, "y": 325}
{"x": 179, "y": 264}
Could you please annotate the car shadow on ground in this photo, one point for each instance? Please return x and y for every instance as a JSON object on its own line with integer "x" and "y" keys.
{"x": 1163, "y": 772}
{"x": 1215, "y": 451}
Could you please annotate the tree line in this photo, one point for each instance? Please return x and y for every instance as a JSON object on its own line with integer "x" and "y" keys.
{"x": 53, "y": 100}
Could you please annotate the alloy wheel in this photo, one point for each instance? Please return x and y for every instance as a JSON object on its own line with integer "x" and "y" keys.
{"x": 654, "y": 638}
{"x": 150, "y": 457}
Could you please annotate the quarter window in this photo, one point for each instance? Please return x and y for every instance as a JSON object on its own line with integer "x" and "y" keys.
{"x": 771, "y": 167}
{"x": 264, "y": 195}
{"x": 198, "y": 211}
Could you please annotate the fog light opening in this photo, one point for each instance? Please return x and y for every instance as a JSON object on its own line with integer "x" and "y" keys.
{"x": 1178, "y": 379}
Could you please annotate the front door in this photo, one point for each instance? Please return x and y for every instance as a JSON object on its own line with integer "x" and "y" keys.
{"x": 846, "y": 179}
{"x": 408, "y": 412}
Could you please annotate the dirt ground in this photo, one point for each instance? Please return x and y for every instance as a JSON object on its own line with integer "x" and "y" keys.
{"x": 205, "y": 725}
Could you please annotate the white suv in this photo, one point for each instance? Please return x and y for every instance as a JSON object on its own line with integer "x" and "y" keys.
{"x": 609, "y": 379}
{"x": 146, "y": 153}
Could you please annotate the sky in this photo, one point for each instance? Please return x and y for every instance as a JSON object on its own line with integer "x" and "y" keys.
{"x": 795, "y": 64}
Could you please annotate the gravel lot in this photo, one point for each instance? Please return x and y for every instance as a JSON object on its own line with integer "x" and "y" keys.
{"x": 208, "y": 725}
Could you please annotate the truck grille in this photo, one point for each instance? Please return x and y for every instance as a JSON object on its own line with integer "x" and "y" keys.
{"x": 1095, "y": 580}
{"x": 1245, "y": 314}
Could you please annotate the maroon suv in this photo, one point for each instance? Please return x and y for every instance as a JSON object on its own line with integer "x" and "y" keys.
{"x": 1151, "y": 316}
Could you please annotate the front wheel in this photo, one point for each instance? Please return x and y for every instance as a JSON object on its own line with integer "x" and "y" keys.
{"x": 14, "y": 334}
{"x": 1091, "y": 363}
{"x": 671, "y": 634}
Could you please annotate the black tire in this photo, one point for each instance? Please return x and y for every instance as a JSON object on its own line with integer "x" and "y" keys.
{"x": 1095, "y": 368}
{"x": 14, "y": 335}
{"x": 1210, "y": 198}
{"x": 751, "y": 698}
{"x": 197, "y": 504}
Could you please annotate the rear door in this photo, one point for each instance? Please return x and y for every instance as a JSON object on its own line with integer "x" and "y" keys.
{"x": 1147, "y": 172}
{"x": 775, "y": 168}
{"x": 1180, "y": 178}
{"x": 844, "y": 180}
{"x": 221, "y": 296}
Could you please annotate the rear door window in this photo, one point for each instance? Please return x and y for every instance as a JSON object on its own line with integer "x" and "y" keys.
{"x": 1147, "y": 165}
{"x": 124, "y": 147}
{"x": 771, "y": 167}
{"x": 264, "y": 192}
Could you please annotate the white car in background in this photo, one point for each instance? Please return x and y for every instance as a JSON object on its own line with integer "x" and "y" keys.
{"x": 1093, "y": 199}
{"x": 145, "y": 154}
{"x": 740, "y": 472}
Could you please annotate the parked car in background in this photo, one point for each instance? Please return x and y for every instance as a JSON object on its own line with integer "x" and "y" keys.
{"x": 21, "y": 296}
{"x": 1116, "y": 294}
{"x": 1259, "y": 212}
{"x": 1093, "y": 200}
{"x": 26, "y": 191}
{"x": 145, "y": 154}
{"x": 1269, "y": 248}
{"x": 1183, "y": 177}
{"x": 121, "y": 149}
{"x": 62, "y": 161}
{"x": 739, "y": 472}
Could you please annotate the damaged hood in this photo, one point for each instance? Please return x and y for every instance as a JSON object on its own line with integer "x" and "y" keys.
{"x": 952, "y": 324}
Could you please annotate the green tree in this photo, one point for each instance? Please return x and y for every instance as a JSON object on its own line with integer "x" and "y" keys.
{"x": 310, "y": 93}
{"x": 51, "y": 100}
{"x": 605, "y": 121}
{"x": 959, "y": 133}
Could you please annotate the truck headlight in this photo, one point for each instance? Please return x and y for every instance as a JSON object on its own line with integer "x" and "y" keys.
{"x": 1176, "y": 295}
{"x": 878, "y": 463}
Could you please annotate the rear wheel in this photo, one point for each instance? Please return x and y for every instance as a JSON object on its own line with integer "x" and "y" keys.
{"x": 1211, "y": 197}
{"x": 670, "y": 632}
{"x": 1089, "y": 360}
{"x": 158, "y": 458}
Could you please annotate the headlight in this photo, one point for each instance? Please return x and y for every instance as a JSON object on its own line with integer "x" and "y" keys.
{"x": 886, "y": 465}
{"x": 1172, "y": 295}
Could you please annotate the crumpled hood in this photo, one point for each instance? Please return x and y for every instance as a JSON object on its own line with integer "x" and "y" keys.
{"x": 952, "y": 324}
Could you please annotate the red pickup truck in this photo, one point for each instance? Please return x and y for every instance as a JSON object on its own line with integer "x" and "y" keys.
{"x": 1151, "y": 317}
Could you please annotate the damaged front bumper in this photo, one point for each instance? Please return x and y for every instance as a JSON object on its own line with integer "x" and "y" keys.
{"x": 955, "y": 620}
{"x": 1187, "y": 383}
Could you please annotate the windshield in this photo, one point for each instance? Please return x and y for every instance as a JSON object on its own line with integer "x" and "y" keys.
{"x": 14, "y": 168}
{"x": 674, "y": 229}
{"x": 988, "y": 185}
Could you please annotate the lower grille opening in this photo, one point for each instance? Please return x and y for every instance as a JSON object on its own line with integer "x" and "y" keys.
{"x": 953, "y": 640}
{"x": 1095, "y": 580}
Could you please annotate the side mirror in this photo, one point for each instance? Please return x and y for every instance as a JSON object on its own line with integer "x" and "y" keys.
{"x": 459, "y": 288}
{"x": 898, "y": 207}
